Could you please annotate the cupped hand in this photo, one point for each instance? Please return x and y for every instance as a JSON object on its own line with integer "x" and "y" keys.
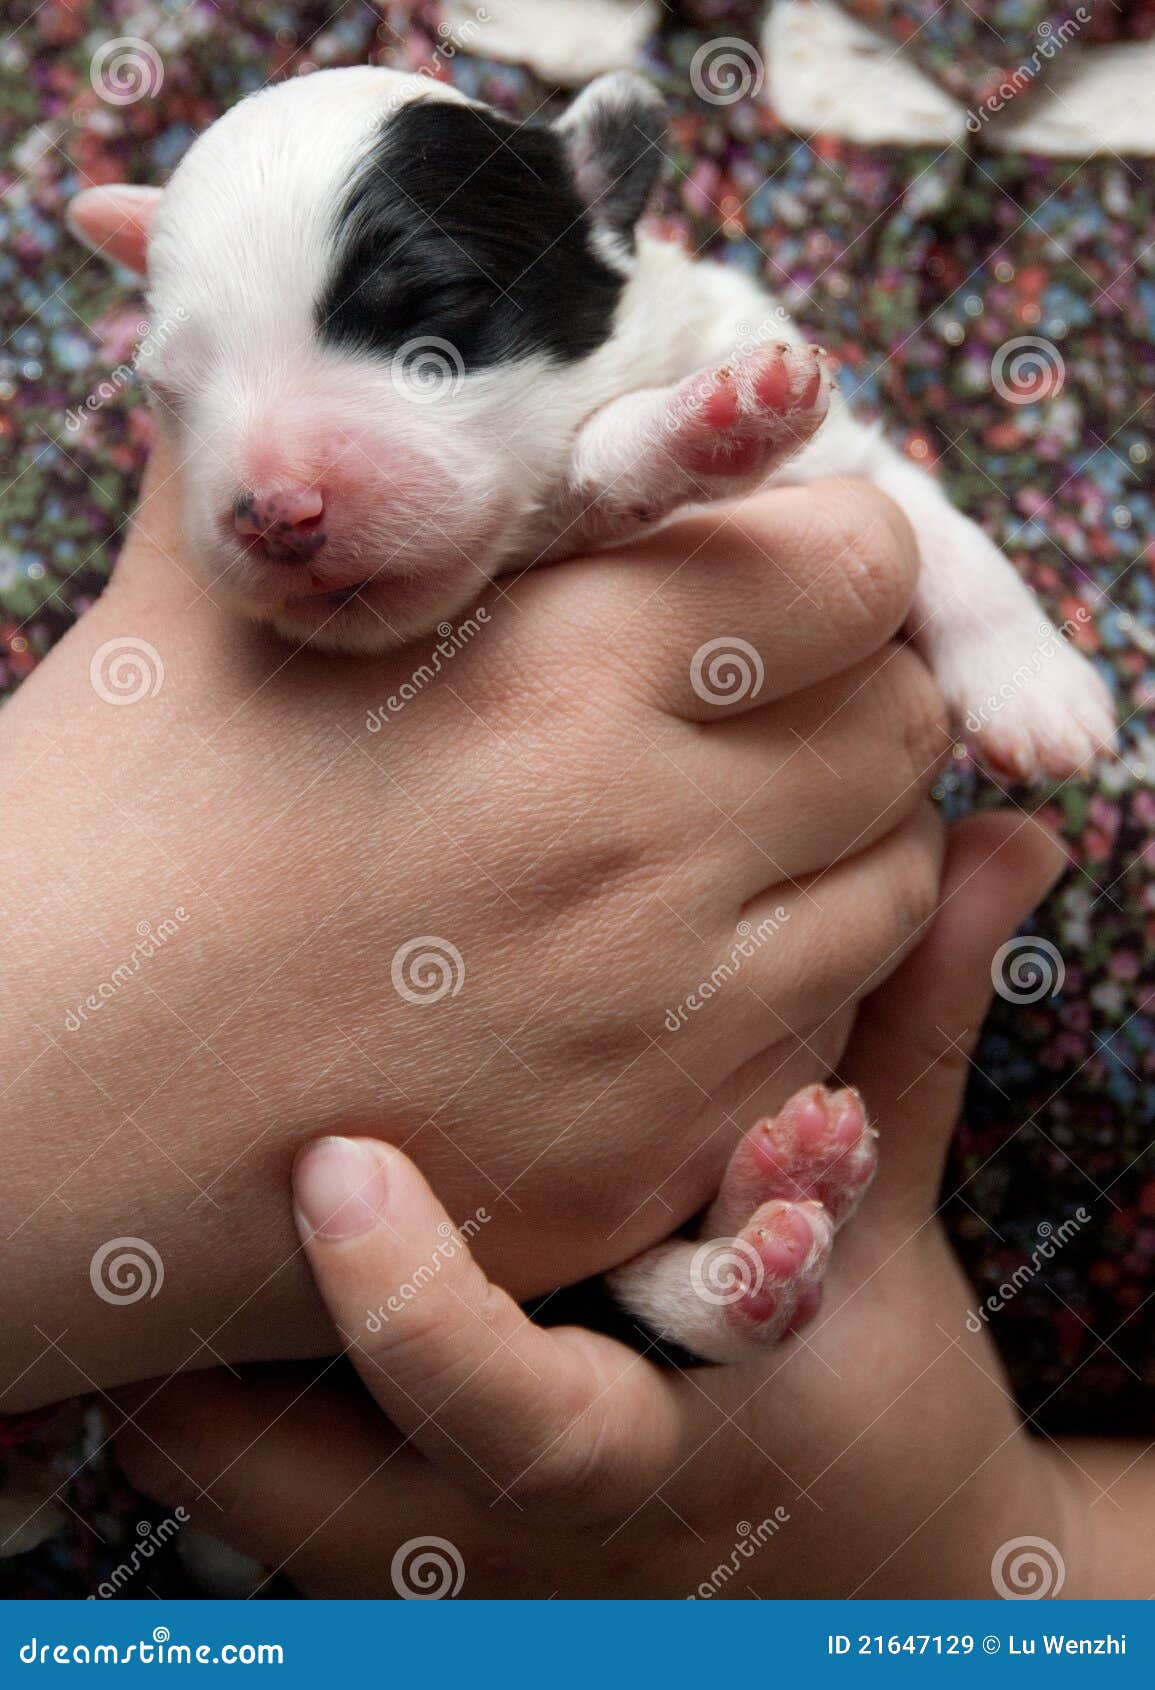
{"x": 559, "y": 903}
{"x": 880, "y": 1454}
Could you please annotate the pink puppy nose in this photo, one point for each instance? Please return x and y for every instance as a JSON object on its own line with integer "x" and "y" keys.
{"x": 285, "y": 523}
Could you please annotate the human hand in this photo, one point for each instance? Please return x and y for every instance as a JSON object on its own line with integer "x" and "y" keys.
{"x": 882, "y": 1455}
{"x": 559, "y": 808}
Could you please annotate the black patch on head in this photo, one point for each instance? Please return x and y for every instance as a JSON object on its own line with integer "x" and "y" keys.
{"x": 467, "y": 227}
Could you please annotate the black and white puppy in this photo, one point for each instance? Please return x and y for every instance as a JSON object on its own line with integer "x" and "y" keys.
{"x": 407, "y": 345}
{"x": 410, "y": 345}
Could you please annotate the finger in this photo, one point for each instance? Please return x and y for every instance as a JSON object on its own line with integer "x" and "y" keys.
{"x": 910, "y": 1053}
{"x": 769, "y": 596}
{"x": 498, "y": 1403}
{"x": 872, "y": 740}
{"x": 732, "y": 606}
{"x": 800, "y": 953}
{"x": 799, "y": 956}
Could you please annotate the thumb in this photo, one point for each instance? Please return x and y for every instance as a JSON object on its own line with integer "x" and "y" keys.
{"x": 494, "y": 1401}
{"x": 910, "y": 1052}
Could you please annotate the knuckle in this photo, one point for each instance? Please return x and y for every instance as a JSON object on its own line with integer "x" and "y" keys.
{"x": 420, "y": 1350}
{"x": 917, "y": 712}
{"x": 567, "y": 1478}
{"x": 938, "y": 1058}
{"x": 554, "y": 1482}
{"x": 871, "y": 552}
{"x": 915, "y": 883}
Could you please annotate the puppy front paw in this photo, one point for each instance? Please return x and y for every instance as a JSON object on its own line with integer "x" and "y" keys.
{"x": 1032, "y": 711}
{"x": 744, "y": 418}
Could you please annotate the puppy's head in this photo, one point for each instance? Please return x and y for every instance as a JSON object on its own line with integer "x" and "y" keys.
{"x": 374, "y": 307}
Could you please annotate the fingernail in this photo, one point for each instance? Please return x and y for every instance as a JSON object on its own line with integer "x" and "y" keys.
{"x": 339, "y": 1187}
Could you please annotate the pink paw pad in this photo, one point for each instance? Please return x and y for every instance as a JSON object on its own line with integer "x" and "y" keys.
{"x": 819, "y": 1147}
{"x": 784, "y": 1251}
{"x": 735, "y": 419}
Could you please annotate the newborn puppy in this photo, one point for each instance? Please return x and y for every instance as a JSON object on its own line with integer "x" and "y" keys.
{"x": 407, "y": 345}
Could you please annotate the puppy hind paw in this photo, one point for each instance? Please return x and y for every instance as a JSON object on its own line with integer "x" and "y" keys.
{"x": 820, "y": 1146}
{"x": 786, "y": 1249}
{"x": 756, "y": 1273}
{"x": 727, "y": 1299}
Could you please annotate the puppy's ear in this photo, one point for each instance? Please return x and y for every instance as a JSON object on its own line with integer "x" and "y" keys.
{"x": 613, "y": 134}
{"x": 116, "y": 222}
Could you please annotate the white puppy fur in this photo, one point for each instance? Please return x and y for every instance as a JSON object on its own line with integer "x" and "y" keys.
{"x": 526, "y": 459}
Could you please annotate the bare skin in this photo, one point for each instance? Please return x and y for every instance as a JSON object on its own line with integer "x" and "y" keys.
{"x": 559, "y": 804}
{"x": 880, "y": 1457}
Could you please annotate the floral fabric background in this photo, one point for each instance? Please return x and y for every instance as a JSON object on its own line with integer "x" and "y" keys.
{"x": 996, "y": 310}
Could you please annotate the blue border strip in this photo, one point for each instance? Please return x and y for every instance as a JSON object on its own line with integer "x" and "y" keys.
{"x": 586, "y": 1645}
